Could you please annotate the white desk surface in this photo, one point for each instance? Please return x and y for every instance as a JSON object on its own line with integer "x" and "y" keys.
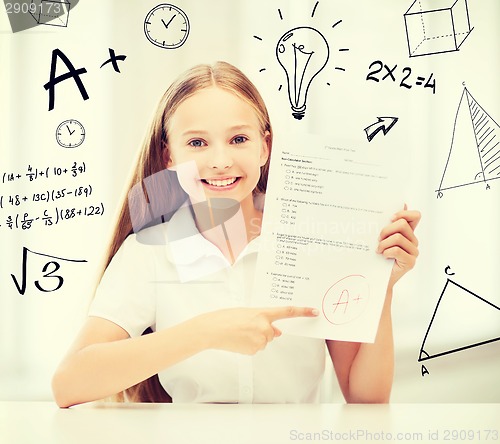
{"x": 44, "y": 422}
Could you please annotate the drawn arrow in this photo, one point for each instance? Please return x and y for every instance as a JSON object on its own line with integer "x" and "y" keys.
{"x": 384, "y": 124}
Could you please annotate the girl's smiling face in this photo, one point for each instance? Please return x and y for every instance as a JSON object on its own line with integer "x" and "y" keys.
{"x": 221, "y": 134}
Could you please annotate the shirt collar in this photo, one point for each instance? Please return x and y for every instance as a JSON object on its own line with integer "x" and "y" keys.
{"x": 187, "y": 244}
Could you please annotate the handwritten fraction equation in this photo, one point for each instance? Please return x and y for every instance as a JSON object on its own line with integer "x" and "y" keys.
{"x": 379, "y": 71}
{"x": 24, "y": 221}
{"x": 45, "y": 196}
{"x": 33, "y": 174}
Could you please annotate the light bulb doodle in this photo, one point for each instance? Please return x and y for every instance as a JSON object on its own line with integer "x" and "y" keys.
{"x": 302, "y": 52}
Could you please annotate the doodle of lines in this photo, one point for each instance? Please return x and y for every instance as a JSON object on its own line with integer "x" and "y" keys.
{"x": 27, "y": 14}
{"x": 474, "y": 155}
{"x": 436, "y": 26}
{"x": 461, "y": 320}
{"x": 51, "y": 12}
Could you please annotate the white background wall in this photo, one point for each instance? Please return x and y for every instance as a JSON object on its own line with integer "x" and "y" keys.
{"x": 460, "y": 230}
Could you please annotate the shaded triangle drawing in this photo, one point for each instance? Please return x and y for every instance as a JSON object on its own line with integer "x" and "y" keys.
{"x": 461, "y": 320}
{"x": 474, "y": 155}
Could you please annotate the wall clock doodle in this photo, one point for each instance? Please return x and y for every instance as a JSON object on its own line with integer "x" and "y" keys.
{"x": 166, "y": 26}
{"x": 70, "y": 133}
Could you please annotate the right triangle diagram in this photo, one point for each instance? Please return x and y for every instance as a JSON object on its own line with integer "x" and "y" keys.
{"x": 474, "y": 154}
{"x": 461, "y": 320}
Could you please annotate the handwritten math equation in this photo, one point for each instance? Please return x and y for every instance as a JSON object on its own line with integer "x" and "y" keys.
{"x": 46, "y": 272}
{"x": 379, "y": 71}
{"x": 71, "y": 200}
{"x": 31, "y": 174}
{"x": 24, "y": 221}
{"x": 50, "y": 195}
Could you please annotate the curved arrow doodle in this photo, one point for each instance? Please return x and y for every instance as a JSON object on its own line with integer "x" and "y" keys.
{"x": 383, "y": 124}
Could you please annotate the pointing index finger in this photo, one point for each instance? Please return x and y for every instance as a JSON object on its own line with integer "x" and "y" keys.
{"x": 275, "y": 313}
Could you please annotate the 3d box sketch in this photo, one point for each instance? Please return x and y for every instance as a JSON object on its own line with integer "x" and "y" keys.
{"x": 436, "y": 26}
{"x": 50, "y": 12}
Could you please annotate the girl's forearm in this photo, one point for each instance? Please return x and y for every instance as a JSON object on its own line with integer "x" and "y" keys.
{"x": 102, "y": 363}
{"x": 371, "y": 374}
{"x": 104, "y": 369}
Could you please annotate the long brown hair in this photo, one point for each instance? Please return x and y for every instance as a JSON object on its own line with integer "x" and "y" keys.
{"x": 164, "y": 193}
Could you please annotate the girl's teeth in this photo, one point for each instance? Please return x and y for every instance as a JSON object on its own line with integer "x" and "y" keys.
{"x": 221, "y": 183}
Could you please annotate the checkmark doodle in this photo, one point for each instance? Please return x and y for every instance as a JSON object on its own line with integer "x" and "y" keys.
{"x": 27, "y": 14}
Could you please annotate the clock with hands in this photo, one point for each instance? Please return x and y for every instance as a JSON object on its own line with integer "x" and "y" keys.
{"x": 166, "y": 26}
{"x": 70, "y": 133}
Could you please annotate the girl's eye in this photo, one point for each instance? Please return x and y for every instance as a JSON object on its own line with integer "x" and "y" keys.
{"x": 239, "y": 139}
{"x": 196, "y": 143}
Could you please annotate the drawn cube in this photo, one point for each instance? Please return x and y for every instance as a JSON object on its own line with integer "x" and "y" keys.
{"x": 50, "y": 12}
{"x": 436, "y": 26}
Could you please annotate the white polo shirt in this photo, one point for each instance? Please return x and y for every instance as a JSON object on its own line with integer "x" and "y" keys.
{"x": 141, "y": 288}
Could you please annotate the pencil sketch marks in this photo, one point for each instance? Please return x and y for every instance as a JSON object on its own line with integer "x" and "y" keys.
{"x": 436, "y": 26}
{"x": 383, "y": 124}
{"x": 474, "y": 155}
{"x": 461, "y": 320}
{"x": 346, "y": 300}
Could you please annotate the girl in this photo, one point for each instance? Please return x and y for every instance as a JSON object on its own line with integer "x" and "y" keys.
{"x": 181, "y": 267}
